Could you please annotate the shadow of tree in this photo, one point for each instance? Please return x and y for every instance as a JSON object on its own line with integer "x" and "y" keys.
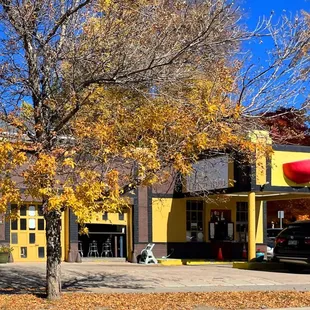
{"x": 23, "y": 281}
{"x": 13, "y": 281}
{"x": 103, "y": 280}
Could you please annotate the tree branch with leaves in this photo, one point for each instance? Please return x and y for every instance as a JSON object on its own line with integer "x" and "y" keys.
{"x": 100, "y": 97}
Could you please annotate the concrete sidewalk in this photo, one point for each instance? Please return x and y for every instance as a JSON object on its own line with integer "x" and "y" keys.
{"x": 128, "y": 278}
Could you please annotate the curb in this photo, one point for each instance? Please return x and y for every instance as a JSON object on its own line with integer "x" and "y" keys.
{"x": 170, "y": 262}
{"x": 190, "y": 262}
{"x": 267, "y": 266}
{"x": 208, "y": 263}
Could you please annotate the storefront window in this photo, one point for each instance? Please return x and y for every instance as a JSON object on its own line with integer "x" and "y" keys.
{"x": 220, "y": 226}
{"x": 23, "y": 252}
{"x": 242, "y": 221}
{"x": 40, "y": 211}
{"x": 14, "y": 238}
{"x": 41, "y": 252}
{"x": 40, "y": 224}
{"x": 32, "y": 238}
{"x": 194, "y": 221}
{"x": 32, "y": 211}
{"x": 23, "y": 211}
{"x": 14, "y": 224}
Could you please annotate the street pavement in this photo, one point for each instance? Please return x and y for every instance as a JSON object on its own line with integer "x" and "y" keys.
{"x": 127, "y": 278}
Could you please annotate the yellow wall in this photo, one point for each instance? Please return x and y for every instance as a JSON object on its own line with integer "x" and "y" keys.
{"x": 262, "y": 138}
{"x": 259, "y": 233}
{"x": 40, "y": 239}
{"x": 113, "y": 218}
{"x": 129, "y": 234}
{"x": 169, "y": 220}
{"x": 278, "y": 159}
{"x": 23, "y": 240}
{"x": 261, "y": 168}
{"x": 231, "y": 173}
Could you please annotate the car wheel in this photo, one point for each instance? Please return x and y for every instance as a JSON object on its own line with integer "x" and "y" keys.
{"x": 294, "y": 268}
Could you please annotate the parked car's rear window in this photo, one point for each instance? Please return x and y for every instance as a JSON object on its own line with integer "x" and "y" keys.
{"x": 297, "y": 229}
{"x": 273, "y": 232}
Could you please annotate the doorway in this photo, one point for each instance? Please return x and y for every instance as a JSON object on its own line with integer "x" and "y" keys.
{"x": 104, "y": 240}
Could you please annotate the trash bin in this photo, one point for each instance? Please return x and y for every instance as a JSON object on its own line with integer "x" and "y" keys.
{"x": 260, "y": 256}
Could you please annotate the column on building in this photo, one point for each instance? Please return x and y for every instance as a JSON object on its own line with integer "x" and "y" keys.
{"x": 251, "y": 227}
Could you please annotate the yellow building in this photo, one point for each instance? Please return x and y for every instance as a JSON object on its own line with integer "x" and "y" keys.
{"x": 233, "y": 215}
{"x": 27, "y": 234}
{"x": 176, "y": 216}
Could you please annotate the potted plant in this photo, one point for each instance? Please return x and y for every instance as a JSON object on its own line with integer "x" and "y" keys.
{"x": 4, "y": 253}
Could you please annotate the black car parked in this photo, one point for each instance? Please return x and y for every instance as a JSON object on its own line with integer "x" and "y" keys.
{"x": 293, "y": 246}
{"x": 272, "y": 233}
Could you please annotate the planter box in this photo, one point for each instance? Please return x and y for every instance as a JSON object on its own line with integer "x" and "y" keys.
{"x": 4, "y": 258}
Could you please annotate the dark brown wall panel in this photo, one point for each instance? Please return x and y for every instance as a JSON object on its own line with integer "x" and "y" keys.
{"x": 143, "y": 214}
{"x": 2, "y": 231}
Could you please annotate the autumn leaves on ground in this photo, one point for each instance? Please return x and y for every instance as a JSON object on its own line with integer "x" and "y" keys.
{"x": 220, "y": 300}
{"x": 98, "y": 98}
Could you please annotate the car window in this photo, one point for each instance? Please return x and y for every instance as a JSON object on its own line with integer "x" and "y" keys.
{"x": 273, "y": 233}
{"x": 301, "y": 230}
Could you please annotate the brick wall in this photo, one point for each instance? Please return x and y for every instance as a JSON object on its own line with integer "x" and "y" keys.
{"x": 73, "y": 228}
{"x": 159, "y": 250}
{"x": 2, "y": 231}
{"x": 143, "y": 215}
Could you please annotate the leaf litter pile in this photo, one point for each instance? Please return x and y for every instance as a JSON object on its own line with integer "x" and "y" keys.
{"x": 184, "y": 301}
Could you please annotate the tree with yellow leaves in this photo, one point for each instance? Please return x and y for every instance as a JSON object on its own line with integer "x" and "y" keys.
{"x": 100, "y": 97}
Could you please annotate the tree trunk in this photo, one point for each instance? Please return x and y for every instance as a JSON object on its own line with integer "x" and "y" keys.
{"x": 53, "y": 272}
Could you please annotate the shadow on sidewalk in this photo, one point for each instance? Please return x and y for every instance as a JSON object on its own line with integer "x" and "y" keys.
{"x": 103, "y": 280}
{"x": 15, "y": 281}
{"x": 18, "y": 281}
{"x": 284, "y": 270}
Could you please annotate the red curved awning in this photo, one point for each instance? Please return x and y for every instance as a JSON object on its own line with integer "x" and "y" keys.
{"x": 298, "y": 171}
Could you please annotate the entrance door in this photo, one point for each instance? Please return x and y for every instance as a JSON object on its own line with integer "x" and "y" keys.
{"x": 105, "y": 236}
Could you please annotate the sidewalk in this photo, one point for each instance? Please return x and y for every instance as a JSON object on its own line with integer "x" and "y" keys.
{"x": 128, "y": 278}
{"x": 202, "y": 287}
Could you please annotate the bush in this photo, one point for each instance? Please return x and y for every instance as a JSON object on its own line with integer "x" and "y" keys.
{"x": 5, "y": 249}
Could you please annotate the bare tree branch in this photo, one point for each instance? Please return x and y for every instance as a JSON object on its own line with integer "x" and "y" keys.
{"x": 62, "y": 20}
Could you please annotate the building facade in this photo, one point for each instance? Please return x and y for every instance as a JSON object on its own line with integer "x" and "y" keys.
{"x": 176, "y": 216}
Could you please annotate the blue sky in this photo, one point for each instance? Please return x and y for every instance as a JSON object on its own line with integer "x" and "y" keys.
{"x": 254, "y": 9}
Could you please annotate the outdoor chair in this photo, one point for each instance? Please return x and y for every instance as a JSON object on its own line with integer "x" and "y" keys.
{"x": 93, "y": 249}
{"x": 147, "y": 256}
{"x": 80, "y": 248}
{"x": 106, "y": 249}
